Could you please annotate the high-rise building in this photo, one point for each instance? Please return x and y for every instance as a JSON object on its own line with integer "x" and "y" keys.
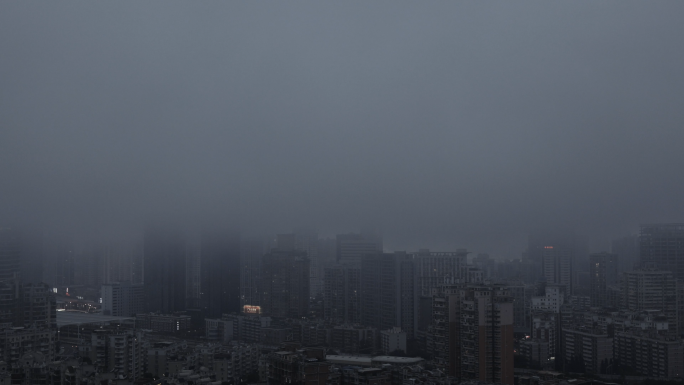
{"x": 220, "y": 272}
{"x": 435, "y": 269}
{"x": 473, "y": 328}
{"x": 60, "y": 263}
{"x": 637, "y": 350}
{"x": 487, "y": 264}
{"x": 557, "y": 266}
{"x": 388, "y": 292}
{"x": 652, "y": 289}
{"x": 522, "y": 305}
{"x": 552, "y": 300}
{"x": 119, "y": 351}
{"x": 32, "y": 261}
{"x": 193, "y": 260}
{"x": 351, "y": 248}
{"x": 627, "y": 248}
{"x": 164, "y": 270}
{"x": 306, "y": 240}
{"x": 252, "y": 250}
{"x": 123, "y": 299}
{"x": 586, "y": 350}
{"x": 16, "y": 342}
{"x": 285, "y": 282}
{"x": 342, "y": 294}
{"x": 408, "y": 294}
{"x": 379, "y": 291}
{"x": 10, "y": 253}
{"x": 603, "y": 272}
{"x": 662, "y": 245}
{"x": 541, "y": 242}
{"x": 38, "y": 306}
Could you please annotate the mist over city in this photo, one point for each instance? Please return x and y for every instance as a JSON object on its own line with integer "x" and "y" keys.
{"x": 252, "y": 171}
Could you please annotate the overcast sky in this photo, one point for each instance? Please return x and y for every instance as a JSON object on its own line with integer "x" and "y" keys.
{"x": 444, "y": 124}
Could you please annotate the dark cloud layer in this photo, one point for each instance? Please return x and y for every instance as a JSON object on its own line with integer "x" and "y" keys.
{"x": 445, "y": 124}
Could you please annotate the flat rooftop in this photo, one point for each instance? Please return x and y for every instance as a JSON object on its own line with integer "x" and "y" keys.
{"x": 367, "y": 361}
{"x": 65, "y": 318}
{"x": 349, "y": 360}
{"x": 398, "y": 360}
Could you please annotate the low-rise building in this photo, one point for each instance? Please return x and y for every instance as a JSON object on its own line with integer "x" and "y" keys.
{"x": 649, "y": 354}
{"x": 393, "y": 340}
{"x": 165, "y": 323}
{"x": 587, "y": 350}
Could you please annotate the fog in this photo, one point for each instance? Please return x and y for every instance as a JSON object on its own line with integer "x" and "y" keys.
{"x": 443, "y": 124}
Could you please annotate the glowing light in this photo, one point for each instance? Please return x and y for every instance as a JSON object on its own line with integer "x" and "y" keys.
{"x": 251, "y": 309}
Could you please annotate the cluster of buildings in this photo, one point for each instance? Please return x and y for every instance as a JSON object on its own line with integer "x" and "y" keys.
{"x": 217, "y": 307}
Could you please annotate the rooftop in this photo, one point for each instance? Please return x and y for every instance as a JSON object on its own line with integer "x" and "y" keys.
{"x": 78, "y": 318}
{"x": 397, "y": 360}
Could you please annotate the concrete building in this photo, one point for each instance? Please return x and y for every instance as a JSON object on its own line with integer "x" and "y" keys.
{"x": 522, "y": 305}
{"x": 306, "y": 240}
{"x": 553, "y": 299}
{"x": 603, "y": 272}
{"x": 536, "y": 351}
{"x": 220, "y": 272}
{"x": 342, "y": 294}
{"x": 285, "y": 282}
{"x": 38, "y": 306}
{"x": 627, "y": 249}
{"x": 217, "y": 329}
{"x": 252, "y": 250}
{"x": 120, "y": 351}
{"x": 408, "y": 294}
{"x": 433, "y": 268}
{"x": 165, "y": 323}
{"x": 354, "y": 339}
{"x": 123, "y": 299}
{"x": 473, "y": 333}
{"x": 649, "y": 354}
{"x": 586, "y": 349}
{"x": 307, "y": 366}
{"x": 10, "y": 253}
{"x": 487, "y": 264}
{"x": 18, "y": 341}
{"x": 164, "y": 270}
{"x": 351, "y": 248}
{"x": 392, "y": 340}
{"x": 557, "y": 267}
{"x": 546, "y": 328}
{"x": 232, "y": 362}
{"x": 160, "y": 353}
{"x": 652, "y": 289}
{"x": 662, "y": 245}
{"x": 380, "y": 291}
{"x": 245, "y": 328}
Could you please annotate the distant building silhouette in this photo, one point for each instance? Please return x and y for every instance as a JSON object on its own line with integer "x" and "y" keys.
{"x": 123, "y": 299}
{"x": 342, "y": 294}
{"x": 10, "y": 253}
{"x": 252, "y": 250}
{"x": 555, "y": 253}
{"x": 285, "y": 281}
{"x": 627, "y": 249}
{"x": 650, "y": 288}
{"x": 352, "y": 247}
{"x": 603, "y": 272}
{"x": 32, "y": 256}
{"x": 220, "y": 272}
{"x": 557, "y": 266}
{"x": 164, "y": 270}
{"x": 662, "y": 245}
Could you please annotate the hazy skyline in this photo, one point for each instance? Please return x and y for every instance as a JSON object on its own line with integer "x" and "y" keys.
{"x": 444, "y": 125}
